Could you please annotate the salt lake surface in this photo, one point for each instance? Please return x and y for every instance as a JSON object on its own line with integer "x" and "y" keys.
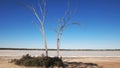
{"x": 62, "y": 53}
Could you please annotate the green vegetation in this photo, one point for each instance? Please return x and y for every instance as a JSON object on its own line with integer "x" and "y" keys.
{"x": 44, "y": 61}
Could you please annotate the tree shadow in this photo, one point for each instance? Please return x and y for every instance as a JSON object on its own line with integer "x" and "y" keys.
{"x": 81, "y": 65}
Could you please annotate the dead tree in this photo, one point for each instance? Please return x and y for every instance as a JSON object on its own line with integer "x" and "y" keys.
{"x": 63, "y": 24}
{"x": 41, "y": 19}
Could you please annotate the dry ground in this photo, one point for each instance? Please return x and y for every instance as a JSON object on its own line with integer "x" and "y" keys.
{"x": 105, "y": 62}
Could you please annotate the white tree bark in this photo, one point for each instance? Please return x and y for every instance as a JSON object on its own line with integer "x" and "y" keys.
{"x": 41, "y": 21}
{"x": 63, "y": 24}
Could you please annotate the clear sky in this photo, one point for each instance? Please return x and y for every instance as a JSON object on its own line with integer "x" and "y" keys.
{"x": 99, "y": 24}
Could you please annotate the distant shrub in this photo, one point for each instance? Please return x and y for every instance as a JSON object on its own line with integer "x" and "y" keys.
{"x": 27, "y": 60}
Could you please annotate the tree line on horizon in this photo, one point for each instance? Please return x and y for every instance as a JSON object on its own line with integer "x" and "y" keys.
{"x": 61, "y": 49}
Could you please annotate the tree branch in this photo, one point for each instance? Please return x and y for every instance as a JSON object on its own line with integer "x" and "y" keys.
{"x": 36, "y": 15}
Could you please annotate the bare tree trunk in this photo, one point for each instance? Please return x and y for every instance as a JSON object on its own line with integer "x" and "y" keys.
{"x": 46, "y": 50}
{"x": 45, "y": 44}
{"x": 58, "y": 38}
{"x": 58, "y": 46}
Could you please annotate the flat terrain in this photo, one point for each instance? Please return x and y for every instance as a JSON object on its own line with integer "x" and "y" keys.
{"x": 105, "y": 59}
{"x": 104, "y": 62}
{"x": 62, "y": 53}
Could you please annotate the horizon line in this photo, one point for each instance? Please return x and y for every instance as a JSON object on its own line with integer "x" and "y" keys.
{"x": 65, "y": 49}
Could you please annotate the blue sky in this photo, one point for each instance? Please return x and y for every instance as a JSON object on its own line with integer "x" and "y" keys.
{"x": 99, "y": 24}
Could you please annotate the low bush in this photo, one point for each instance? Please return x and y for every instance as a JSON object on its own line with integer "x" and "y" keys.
{"x": 27, "y": 60}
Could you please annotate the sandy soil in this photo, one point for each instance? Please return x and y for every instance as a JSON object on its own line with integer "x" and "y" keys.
{"x": 104, "y": 62}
